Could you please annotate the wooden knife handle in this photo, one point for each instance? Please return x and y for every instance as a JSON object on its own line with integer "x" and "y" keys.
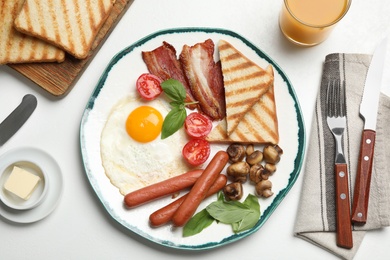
{"x": 343, "y": 208}
{"x": 363, "y": 178}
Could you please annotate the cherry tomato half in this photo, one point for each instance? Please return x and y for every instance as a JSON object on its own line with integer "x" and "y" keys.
{"x": 148, "y": 86}
{"x": 196, "y": 151}
{"x": 197, "y": 125}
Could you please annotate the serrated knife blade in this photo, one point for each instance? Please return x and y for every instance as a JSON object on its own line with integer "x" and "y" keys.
{"x": 368, "y": 111}
{"x": 17, "y": 118}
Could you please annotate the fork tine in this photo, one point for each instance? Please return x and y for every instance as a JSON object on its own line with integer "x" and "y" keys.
{"x": 335, "y": 99}
{"x": 330, "y": 104}
{"x": 343, "y": 105}
{"x": 328, "y": 101}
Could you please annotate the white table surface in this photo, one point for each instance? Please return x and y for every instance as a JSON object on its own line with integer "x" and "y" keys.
{"x": 80, "y": 228}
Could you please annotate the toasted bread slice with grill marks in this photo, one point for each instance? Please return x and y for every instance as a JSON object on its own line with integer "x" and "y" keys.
{"x": 258, "y": 126}
{"x": 16, "y": 47}
{"x": 69, "y": 24}
{"x": 244, "y": 81}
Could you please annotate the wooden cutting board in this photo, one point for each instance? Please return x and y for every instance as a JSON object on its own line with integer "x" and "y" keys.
{"x": 59, "y": 78}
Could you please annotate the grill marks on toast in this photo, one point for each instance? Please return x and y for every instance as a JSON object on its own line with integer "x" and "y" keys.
{"x": 54, "y": 18}
{"x": 259, "y": 124}
{"x": 244, "y": 81}
{"x": 63, "y": 27}
{"x": 245, "y": 77}
{"x": 16, "y": 47}
{"x": 80, "y": 24}
{"x": 69, "y": 24}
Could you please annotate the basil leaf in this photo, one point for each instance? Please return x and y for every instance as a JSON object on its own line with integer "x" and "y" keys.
{"x": 197, "y": 223}
{"x": 241, "y": 216}
{"x": 173, "y": 122}
{"x": 177, "y": 104}
{"x": 251, "y": 218}
{"x": 174, "y": 90}
{"x": 220, "y": 196}
{"x": 252, "y": 201}
{"x": 247, "y": 222}
{"x": 227, "y": 212}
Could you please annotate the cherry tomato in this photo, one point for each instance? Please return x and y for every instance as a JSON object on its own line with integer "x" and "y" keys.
{"x": 148, "y": 86}
{"x": 196, "y": 151}
{"x": 197, "y": 125}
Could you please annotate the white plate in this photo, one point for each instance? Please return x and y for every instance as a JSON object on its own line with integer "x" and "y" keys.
{"x": 115, "y": 83}
{"x": 54, "y": 192}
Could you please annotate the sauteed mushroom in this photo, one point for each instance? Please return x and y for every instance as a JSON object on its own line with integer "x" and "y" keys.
{"x": 236, "y": 152}
{"x": 238, "y": 171}
{"x": 271, "y": 154}
{"x": 280, "y": 150}
{"x": 270, "y": 167}
{"x": 263, "y": 188}
{"x": 255, "y": 173}
{"x": 258, "y": 164}
{"x": 265, "y": 174}
{"x": 249, "y": 149}
{"x": 233, "y": 191}
{"x": 255, "y": 157}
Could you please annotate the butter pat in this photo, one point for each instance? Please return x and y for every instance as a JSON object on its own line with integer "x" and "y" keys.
{"x": 21, "y": 183}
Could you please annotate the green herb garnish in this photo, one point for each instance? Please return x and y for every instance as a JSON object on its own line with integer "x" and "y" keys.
{"x": 197, "y": 223}
{"x": 252, "y": 216}
{"x": 241, "y": 216}
{"x": 176, "y": 92}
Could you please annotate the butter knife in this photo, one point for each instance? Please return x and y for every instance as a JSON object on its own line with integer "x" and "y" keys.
{"x": 368, "y": 111}
{"x": 17, "y": 118}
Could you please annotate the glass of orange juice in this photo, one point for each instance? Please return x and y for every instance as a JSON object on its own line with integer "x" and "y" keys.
{"x": 309, "y": 22}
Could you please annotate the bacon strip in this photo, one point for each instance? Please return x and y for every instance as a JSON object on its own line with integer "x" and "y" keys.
{"x": 163, "y": 63}
{"x": 205, "y": 78}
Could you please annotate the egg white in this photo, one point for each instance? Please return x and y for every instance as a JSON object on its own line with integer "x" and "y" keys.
{"x": 131, "y": 165}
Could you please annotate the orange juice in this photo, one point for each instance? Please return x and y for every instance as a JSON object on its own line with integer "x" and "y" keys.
{"x": 309, "y": 22}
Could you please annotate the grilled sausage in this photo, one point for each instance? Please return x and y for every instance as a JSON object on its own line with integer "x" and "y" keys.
{"x": 164, "y": 215}
{"x": 199, "y": 190}
{"x": 163, "y": 188}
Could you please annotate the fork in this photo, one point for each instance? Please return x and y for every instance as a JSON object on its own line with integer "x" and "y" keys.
{"x": 336, "y": 120}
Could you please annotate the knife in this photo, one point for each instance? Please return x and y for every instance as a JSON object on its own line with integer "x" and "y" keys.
{"x": 17, "y": 118}
{"x": 368, "y": 111}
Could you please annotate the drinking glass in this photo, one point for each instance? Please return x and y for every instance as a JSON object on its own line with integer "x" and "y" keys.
{"x": 309, "y": 22}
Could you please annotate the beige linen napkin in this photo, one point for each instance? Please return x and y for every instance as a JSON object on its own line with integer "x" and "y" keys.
{"x": 316, "y": 219}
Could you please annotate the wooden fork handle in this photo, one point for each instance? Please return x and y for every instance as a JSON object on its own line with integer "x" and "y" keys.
{"x": 363, "y": 178}
{"x": 343, "y": 208}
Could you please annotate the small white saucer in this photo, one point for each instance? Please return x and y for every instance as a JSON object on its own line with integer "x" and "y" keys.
{"x": 45, "y": 161}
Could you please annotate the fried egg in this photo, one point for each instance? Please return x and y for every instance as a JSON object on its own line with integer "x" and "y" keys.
{"x": 132, "y": 151}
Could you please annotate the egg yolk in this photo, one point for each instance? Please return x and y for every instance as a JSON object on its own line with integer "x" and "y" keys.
{"x": 144, "y": 124}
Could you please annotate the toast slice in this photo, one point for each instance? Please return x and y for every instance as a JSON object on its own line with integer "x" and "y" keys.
{"x": 258, "y": 126}
{"x": 244, "y": 81}
{"x": 71, "y": 24}
{"x": 16, "y": 47}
